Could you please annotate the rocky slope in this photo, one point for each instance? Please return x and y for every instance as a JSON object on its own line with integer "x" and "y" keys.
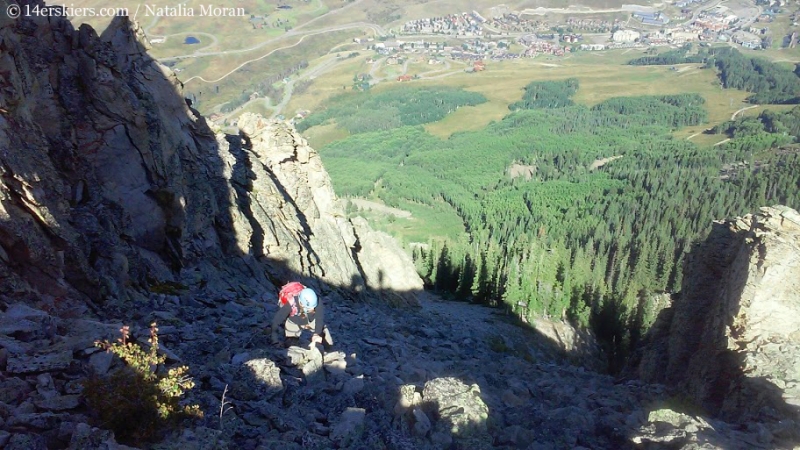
{"x": 119, "y": 203}
{"x": 110, "y": 184}
{"x": 731, "y": 340}
{"x": 446, "y": 376}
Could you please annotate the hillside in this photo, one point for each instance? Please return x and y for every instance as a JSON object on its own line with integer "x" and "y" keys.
{"x": 113, "y": 185}
{"x": 573, "y": 241}
{"x": 121, "y": 208}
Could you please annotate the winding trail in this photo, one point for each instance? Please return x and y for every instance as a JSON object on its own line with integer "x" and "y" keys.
{"x": 696, "y": 134}
{"x": 443, "y": 69}
{"x": 198, "y": 77}
{"x": 733, "y": 116}
{"x": 311, "y": 73}
{"x": 722, "y": 142}
{"x": 375, "y": 66}
{"x": 291, "y": 33}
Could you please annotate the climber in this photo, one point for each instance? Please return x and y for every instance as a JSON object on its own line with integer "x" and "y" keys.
{"x": 299, "y": 309}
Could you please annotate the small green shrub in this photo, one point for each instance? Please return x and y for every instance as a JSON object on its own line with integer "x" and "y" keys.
{"x": 139, "y": 401}
{"x": 498, "y": 344}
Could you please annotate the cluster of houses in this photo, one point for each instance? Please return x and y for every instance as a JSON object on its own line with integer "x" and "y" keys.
{"x": 592, "y": 25}
{"x": 474, "y": 50}
{"x": 511, "y": 22}
{"x": 746, "y": 39}
{"x": 571, "y": 38}
{"x": 766, "y": 17}
{"x": 515, "y": 23}
{"x": 464, "y": 24}
{"x": 479, "y": 54}
{"x": 539, "y": 37}
{"x": 544, "y": 48}
{"x": 479, "y": 46}
{"x": 713, "y": 21}
{"x": 751, "y": 38}
{"x": 538, "y": 44}
{"x": 706, "y": 26}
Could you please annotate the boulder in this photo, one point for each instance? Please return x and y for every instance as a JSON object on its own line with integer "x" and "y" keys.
{"x": 459, "y": 410}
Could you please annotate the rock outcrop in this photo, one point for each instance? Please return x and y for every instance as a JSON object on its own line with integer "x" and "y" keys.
{"x": 730, "y": 341}
{"x": 111, "y": 185}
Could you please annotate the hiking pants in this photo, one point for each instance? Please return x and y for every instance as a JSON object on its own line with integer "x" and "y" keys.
{"x": 294, "y": 329}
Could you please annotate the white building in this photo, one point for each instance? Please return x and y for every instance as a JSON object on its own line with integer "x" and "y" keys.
{"x": 593, "y": 47}
{"x": 625, "y": 36}
{"x": 679, "y": 37}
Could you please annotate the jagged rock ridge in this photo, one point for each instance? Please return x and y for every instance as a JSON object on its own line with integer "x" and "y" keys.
{"x": 110, "y": 183}
{"x": 730, "y": 341}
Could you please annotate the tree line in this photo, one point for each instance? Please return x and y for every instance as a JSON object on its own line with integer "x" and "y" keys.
{"x": 365, "y": 112}
{"x": 770, "y": 83}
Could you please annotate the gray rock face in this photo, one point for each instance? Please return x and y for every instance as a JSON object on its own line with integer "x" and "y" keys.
{"x": 110, "y": 184}
{"x": 390, "y": 269}
{"x": 731, "y": 340}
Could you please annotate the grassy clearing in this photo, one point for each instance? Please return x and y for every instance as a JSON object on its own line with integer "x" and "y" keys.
{"x": 502, "y": 84}
{"x": 711, "y": 139}
{"x": 789, "y": 56}
{"x": 219, "y": 65}
{"x": 602, "y": 76}
{"x": 251, "y": 75}
{"x": 708, "y": 140}
{"x": 780, "y": 28}
{"x": 756, "y": 111}
{"x": 174, "y": 45}
{"x": 334, "y": 82}
{"x": 424, "y": 222}
{"x": 390, "y": 73}
{"x": 420, "y": 66}
{"x": 323, "y": 135}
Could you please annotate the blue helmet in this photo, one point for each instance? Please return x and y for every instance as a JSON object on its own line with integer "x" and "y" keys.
{"x": 308, "y": 299}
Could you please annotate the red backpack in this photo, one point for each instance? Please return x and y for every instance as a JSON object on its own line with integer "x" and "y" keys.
{"x": 288, "y": 294}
